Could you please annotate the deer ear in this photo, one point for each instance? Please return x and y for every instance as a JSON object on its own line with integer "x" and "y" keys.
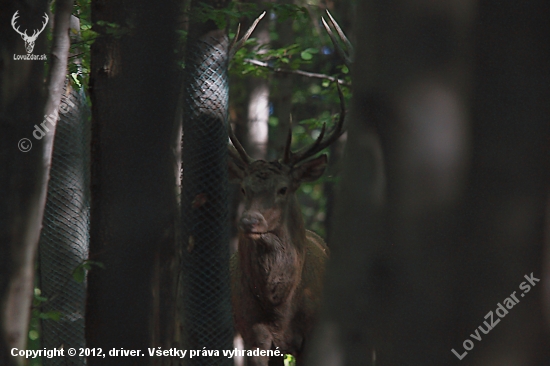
{"x": 310, "y": 170}
{"x": 236, "y": 171}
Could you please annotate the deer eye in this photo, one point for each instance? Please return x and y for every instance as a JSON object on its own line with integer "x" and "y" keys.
{"x": 282, "y": 191}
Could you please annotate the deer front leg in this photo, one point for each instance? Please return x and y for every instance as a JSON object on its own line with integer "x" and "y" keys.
{"x": 259, "y": 337}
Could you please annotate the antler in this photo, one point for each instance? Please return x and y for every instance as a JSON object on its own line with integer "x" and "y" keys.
{"x": 237, "y": 152}
{"x": 24, "y": 34}
{"x": 347, "y": 56}
{"x": 290, "y": 158}
{"x": 13, "y": 19}
{"x": 235, "y": 46}
{"x": 37, "y": 32}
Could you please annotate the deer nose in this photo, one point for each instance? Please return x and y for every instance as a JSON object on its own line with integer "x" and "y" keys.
{"x": 253, "y": 222}
{"x": 249, "y": 221}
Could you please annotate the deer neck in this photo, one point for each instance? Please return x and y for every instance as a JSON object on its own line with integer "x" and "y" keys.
{"x": 272, "y": 264}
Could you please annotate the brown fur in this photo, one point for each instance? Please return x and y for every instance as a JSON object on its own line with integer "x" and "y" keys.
{"x": 277, "y": 276}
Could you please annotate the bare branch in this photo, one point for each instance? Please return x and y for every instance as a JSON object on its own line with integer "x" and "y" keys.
{"x": 297, "y": 72}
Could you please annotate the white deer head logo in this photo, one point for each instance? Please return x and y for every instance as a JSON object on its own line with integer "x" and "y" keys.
{"x": 29, "y": 40}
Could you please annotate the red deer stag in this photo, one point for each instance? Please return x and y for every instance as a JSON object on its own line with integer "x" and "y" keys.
{"x": 277, "y": 273}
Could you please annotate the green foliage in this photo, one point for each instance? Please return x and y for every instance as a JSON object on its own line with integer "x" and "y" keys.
{"x": 34, "y": 342}
{"x": 289, "y": 360}
{"x": 314, "y": 101}
{"x": 79, "y": 62}
{"x": 79, "y": 273}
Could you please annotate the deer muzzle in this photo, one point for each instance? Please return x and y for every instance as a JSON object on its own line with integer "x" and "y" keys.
{"x": 253, "y": 224}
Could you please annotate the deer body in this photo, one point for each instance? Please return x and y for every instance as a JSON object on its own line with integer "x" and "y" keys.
{"x": 277, "y": 272}
{"x": 277, "y": 287}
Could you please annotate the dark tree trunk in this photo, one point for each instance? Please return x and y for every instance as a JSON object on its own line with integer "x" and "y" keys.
{"x": 502, "y": 236}
{"x": 134, "y": 93}
{"x": 23, "y": 183}
{"x": 462, "y": 227}
{"x": 204, "y": 205}
{"x": 390, "y": 279}
{"x": 343, "y": 12}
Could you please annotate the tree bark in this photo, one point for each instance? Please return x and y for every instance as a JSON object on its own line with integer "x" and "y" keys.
{"x": 134, "y": 100}
{"x": 24, "y": 183}
{"x": 204, "y": 205}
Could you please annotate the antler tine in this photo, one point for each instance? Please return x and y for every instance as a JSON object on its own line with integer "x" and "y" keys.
{"x": 46, "y": 18}
{"x": 340, "y": 32}
{"x": 235, "y": 46}
{"x": 234, "y": 40}
{"x": 347, "y": 56}
{"x": 242, "y": 155}
{"x": 13, "y": 19}
{"x": 319, "y": 144}
{"x": 311, "y": 150}
{"x": 233, "y": 152}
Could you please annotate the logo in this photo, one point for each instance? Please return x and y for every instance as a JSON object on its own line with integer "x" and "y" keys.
{"x": 29, "y": 40}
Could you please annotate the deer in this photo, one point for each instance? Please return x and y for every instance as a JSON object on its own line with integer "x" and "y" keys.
{"x": 277, "y": 271}
{"x": 29, "y": 40}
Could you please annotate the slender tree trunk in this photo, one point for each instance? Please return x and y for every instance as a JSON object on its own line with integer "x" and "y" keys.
{"x": 257, "y": 126}
{"x": 282, "y": 96}
{"x": 251, "y": 127}
{"x": 25, "y": 174}
{"x": 134, "y": 97}
{"x": 64, "y": 240}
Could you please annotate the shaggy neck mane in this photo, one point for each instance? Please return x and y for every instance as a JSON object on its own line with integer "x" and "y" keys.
{"x": 272, "y": 263}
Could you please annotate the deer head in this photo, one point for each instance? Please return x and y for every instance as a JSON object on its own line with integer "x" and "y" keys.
{"x": 29, "y": 40}
{"x": 270, "y": 206}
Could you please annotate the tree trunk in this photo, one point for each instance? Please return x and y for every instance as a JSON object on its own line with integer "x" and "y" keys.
{"x": 390, "y": 280}
{"x": 205, "y": 232}
{"x": 134, "y": 97}
{"x": 282, "y": 95}
{"x": 257, "y": 126}
{"x": 25, "y": 172}
{"x": 457, "y": 236}
{"x": 502, "y": 237}
{"x": 64, "y": 240}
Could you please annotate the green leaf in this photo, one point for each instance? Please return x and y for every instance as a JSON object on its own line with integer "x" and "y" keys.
{"x": 53, "y": 315}
{"x": 273, "y": 121}
{"x": 306, "y": 55}
{"x": 40, "y": 298}
{"x": 79, "y": 274}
